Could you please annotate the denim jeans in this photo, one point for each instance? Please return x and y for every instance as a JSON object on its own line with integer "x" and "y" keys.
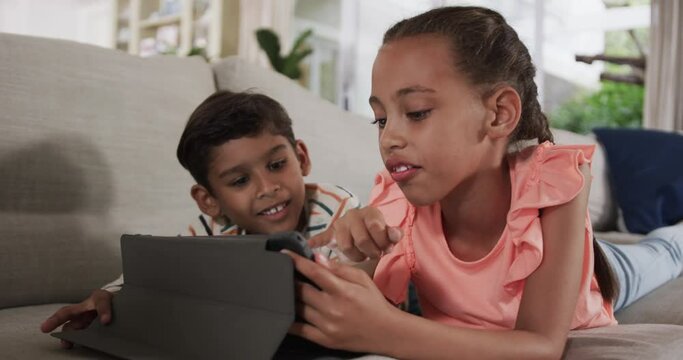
{"x": 646, "y": 265}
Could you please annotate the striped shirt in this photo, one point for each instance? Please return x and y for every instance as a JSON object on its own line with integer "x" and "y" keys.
{"x": 324, "y": 204}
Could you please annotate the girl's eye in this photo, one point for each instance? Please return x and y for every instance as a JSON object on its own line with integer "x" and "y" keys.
{"x": 419, "y": 115}
{"x": 277, "y": 165}
{"x": 240, "y": 181}
{"x": 381, "y": 122}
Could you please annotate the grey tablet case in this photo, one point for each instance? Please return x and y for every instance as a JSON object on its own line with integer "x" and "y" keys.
{"x": 197, "y": 297}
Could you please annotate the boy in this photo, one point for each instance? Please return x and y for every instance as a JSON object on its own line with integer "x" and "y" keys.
{"x": 249, "y": 169}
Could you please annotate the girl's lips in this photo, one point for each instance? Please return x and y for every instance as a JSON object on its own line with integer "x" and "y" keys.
{"x": 404, "y": 173}
{"x": 401, "y": 171}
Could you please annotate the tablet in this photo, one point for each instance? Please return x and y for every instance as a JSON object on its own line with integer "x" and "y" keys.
{"x": 202, "y": 297}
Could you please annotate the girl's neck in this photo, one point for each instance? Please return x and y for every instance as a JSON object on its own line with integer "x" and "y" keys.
{"x": 475, "y": 213}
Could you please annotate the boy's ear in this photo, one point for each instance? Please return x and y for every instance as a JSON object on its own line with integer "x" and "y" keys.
{"x": 302, "y": 155}
{"x": 505, "y": 110}
{"x": 206, "y": 202}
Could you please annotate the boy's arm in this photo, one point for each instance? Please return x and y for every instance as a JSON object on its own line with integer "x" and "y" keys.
{"x": 79, "y": 316}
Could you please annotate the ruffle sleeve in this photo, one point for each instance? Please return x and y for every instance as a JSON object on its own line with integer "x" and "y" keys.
{"x": 544, "y": 176}
{"x": 394, "y": 269}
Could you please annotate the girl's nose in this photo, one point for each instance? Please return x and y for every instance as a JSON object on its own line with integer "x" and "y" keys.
{"x": 392, "y": 136}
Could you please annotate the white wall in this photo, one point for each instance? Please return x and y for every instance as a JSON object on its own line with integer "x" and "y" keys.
{"x": 375, "y": 17}
{"x": 87, "y": 21}
{"x": 568, "y": 27}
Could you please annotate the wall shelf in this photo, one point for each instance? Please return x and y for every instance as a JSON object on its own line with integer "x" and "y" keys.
{"x": 160, "y": 21}
{"x": 209, "y": 24}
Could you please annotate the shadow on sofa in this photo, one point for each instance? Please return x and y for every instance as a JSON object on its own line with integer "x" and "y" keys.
{"x": 50, "y": 188}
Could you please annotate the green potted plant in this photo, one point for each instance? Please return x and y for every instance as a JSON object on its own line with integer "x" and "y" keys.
{"x": 289, "y": 65}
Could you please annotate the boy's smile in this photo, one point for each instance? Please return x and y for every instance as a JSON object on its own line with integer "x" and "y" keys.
{"x": 257, "y": 182}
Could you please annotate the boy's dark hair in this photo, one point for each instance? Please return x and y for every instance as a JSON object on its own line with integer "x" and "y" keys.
{"x": 488, "y": 51}
{"x": 226, "y": 116}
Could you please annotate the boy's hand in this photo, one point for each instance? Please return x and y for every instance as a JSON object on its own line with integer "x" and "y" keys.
{"x": 359, "y": 234}
{"x": 79, "y": 316}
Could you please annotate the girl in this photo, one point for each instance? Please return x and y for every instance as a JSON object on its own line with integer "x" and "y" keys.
{"x": 493, "y": 239}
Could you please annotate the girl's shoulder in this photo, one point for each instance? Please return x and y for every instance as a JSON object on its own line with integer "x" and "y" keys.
{"x": 542, "y": 176}
{"x": 547, "y": 174}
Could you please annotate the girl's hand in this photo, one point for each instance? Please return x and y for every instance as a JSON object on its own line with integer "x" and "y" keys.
{"x": 359, "y": 234}
{"x": 347, "y": 312}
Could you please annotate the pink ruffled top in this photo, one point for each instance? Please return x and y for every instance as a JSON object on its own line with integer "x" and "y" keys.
{"x": 486, "y": 293}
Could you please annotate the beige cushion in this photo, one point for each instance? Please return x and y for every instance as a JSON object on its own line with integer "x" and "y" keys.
{"x": 601, "y": 204}
{"x": 662, "y": 306}
{"x": 619, "y": 237}
{"x": 343, "y": 146}
{"x": 645, "y": 341}
{"x": 20, "y": 338}
{"x": 87, "y": 152}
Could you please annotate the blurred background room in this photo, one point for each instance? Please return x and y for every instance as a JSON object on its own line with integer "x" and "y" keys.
{"x": 590, "y": 54}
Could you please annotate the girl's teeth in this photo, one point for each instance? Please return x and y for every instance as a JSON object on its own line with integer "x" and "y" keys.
{"x": 402, "y": 168}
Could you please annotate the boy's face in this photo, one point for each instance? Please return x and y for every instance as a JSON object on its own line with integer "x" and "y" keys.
{"x": 257, "y": 183}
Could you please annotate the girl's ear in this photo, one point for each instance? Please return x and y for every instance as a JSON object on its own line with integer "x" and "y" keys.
{"x": 206, "y": 202}
{"x": 302, "y": 155}
{"x": 505, "y": 108}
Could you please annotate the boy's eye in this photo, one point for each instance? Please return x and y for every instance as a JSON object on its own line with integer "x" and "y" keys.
{"x": 381, "y": 122}
{"x": 277, "y": 165}
{"x": 240, "y": 181}
{"x": 419, "y": 115}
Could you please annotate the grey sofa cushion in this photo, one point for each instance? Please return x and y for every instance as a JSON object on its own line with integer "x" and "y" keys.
{"x": 343, "y": 146}
{"x": 87, "y": 152}
{"x": 644, "y": 341}
{"x": 20, "y": 336}
{"x": 662, "y": 306}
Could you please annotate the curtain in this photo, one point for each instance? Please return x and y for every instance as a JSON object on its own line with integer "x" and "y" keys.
{"x": 664, "y": 73}
{"x": 254, "y": 14}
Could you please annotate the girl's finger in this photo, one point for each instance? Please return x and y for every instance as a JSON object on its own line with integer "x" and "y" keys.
{"x": 309, "y": 332}
{"x": 309, "y": 295}
{"x": 378, "y": 231}
{"x": 395, "y": 234}
{"x": 364, "y": 242}
{"x": 345, "y": 240}
{"x": 318, "y": 274}
{"x": 321, "y": 239}
{"x": 310, "y": 314}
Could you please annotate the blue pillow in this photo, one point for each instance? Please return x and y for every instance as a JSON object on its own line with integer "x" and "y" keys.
{"x": 646, "y": 173}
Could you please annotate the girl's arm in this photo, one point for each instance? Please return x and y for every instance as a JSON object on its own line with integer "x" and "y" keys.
{"x": 349, "y": 312}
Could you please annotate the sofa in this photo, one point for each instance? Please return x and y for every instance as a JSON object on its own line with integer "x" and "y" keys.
{"x": 87, "y": 153}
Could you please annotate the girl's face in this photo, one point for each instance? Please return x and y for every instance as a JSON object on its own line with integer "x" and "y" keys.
{"x": 431, "y": 120}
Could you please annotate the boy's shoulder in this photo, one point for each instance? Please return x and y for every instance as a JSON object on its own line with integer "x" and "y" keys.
{"x": 330, "y": 194}
{"x": 325, "y": 203}
{"x": 204, "y": 225}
